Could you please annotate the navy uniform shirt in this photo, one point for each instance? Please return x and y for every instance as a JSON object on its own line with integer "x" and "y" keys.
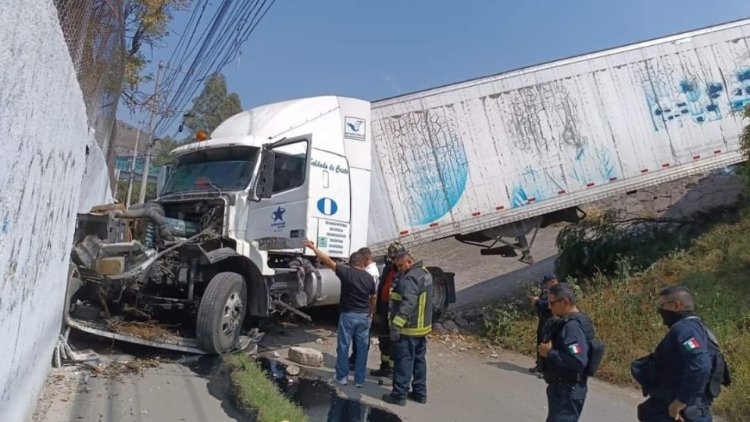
{"x": 682, "y": 362}
{"x": 570, "y": 349}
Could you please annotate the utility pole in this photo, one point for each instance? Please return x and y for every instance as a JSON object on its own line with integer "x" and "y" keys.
{"x": 131, "y": 177}
{"x": 152, "y": 128}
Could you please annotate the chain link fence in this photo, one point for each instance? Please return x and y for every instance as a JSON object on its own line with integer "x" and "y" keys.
{"x": 94, "y": 33}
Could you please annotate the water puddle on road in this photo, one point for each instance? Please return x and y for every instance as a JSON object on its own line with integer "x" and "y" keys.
{"x": 320, "y": 401}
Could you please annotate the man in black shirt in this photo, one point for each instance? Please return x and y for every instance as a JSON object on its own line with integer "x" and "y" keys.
{"x": 356, "y": 306}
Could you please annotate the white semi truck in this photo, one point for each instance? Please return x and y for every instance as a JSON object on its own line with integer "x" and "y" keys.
{"x": 486, "y": 161}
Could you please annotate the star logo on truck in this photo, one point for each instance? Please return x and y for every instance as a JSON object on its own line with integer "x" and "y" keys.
{"x": 278, "y": 215}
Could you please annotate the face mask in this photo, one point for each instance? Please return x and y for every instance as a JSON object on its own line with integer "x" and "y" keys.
{"x": 669, "y": 317}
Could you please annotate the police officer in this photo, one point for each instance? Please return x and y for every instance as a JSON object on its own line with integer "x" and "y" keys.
{"x": 676, "y": 374}
{"x": 565, "y": 356}
{"x": 410, "y": 315}
{"x": 541, "y": 305}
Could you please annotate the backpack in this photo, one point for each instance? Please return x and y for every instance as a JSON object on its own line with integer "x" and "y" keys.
{"x": 595, "y": 345}
{"x": 720, "y": 373}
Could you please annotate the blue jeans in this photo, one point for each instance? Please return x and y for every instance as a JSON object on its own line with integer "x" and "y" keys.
{"x": 410, "y": 367}
{"x": 565, "y": 401}
{"x": 352, "y": 325}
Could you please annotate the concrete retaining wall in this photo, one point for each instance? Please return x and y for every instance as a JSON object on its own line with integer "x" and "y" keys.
{"x": 44, "y": 136}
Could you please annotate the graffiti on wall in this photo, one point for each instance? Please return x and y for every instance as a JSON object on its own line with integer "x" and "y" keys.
{"x": 683, "y": 90}
{"x": 676, "y": 97}
{"x": 547, "y": 127}
{"x": 428, "y": 161}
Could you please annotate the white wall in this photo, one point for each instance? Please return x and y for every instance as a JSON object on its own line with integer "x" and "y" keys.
{"x": 43, "y": 134}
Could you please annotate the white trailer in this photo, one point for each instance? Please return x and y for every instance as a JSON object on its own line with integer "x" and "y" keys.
{"x": 502, "y": 149}
{"x": 480, "y": 160}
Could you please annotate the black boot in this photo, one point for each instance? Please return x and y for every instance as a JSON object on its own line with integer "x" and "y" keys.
{"x": 388, "y": 398}
{"x": 384, "y": 371}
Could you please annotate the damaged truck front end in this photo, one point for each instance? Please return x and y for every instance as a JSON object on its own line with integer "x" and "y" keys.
{"x": 163, "y": 262}
{"x": 167, "y": 273}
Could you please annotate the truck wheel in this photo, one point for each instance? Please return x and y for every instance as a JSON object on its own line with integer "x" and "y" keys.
{"x": 221, "y": 312}
{"x": 439, "y": 293}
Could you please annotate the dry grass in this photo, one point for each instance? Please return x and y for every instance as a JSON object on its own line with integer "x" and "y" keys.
{"x": 715, "y": 268}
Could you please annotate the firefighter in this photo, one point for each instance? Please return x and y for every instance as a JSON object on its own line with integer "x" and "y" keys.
{"x": 410, "y": 316}
{"x": 395, "y": 250}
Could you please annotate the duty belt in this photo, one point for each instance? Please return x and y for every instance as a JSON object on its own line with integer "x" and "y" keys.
{"x": 564, "y": 377}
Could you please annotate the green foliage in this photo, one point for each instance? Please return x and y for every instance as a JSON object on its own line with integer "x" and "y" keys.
{"x": 146, "y": 24}
{"x": 213, "y": 105}
{"x": 121, "y": 194}
{"x": 744, "y": 168}
{"x": 498, "y": 325}
{"x": 162, "y": 149}
{"x": 618, "y": 248}
{"x": 255, "y": 392}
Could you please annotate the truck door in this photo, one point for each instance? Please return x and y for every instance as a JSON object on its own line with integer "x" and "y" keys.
{"x": 279, "y": 222}
{"x": 330, "y": 203}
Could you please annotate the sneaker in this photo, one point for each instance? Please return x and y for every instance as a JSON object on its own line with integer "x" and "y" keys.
{"x": 388, "y": 398}
{"x": 358, "y": 385}
{"x": 414, "y": 397}
{"x": 342, "y": 381}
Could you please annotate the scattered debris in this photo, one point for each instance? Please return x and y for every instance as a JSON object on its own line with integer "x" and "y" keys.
{"x": 461, "y": 322}
{"x": 116, "y": 369}
{"x": 64, "y": 353}
{"x": 293, "y": 370}
{"x": 148, "y": 330}
{"x": 451, "y": 326}
{"x": 306, "y": 356}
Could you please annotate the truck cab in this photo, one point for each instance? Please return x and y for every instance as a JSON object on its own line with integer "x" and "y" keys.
{"x": 224, "y": 239}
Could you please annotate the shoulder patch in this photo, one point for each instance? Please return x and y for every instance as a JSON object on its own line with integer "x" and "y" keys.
{"x": 691, "y": 344}
{"x": 574, "y": 348}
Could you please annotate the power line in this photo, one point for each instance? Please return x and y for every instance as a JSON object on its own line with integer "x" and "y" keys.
{"x": 218, "y": 44}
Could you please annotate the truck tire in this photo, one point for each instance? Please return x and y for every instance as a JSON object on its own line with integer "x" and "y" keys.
{"x": 441, "y": 293}
{"x": 221, "y": 312}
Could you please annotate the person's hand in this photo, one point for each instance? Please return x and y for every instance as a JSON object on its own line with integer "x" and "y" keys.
{"x": 534, "y": 299}
{"x": 395, "y": 334}
{"x": 674, "y": 410}
{"x": 309, "y": 244}
{"x": 544, "y": 348}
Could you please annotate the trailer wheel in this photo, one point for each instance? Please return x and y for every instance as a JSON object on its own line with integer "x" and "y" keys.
{"x": 442, "y": 294}
{"x": 221, "y": 312}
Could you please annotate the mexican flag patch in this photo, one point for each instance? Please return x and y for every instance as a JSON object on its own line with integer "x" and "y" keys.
{"x": 691, "y": 344}
{"x": 574, "y": 348}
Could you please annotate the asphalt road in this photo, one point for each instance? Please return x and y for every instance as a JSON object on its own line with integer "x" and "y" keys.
{"x": 462, "y": 385}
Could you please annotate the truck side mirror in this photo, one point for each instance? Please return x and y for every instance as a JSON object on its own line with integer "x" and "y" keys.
{"x": 264, "y": 181}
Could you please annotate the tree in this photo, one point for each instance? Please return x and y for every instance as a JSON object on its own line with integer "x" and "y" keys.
{"x": 161, "y": 150}
{"x": 213, "y": 105}
{"x": 145, "y": 26}
{"x": 122, "y": 191}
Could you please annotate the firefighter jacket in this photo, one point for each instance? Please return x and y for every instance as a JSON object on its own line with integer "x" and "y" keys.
{"x": 410, "y": 305}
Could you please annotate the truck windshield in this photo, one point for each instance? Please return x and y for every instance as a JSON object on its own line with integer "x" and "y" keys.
{"x": 227, "y": 168}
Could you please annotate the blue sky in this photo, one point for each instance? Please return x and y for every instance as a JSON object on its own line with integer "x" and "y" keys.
{"x": 378, "y": 49}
